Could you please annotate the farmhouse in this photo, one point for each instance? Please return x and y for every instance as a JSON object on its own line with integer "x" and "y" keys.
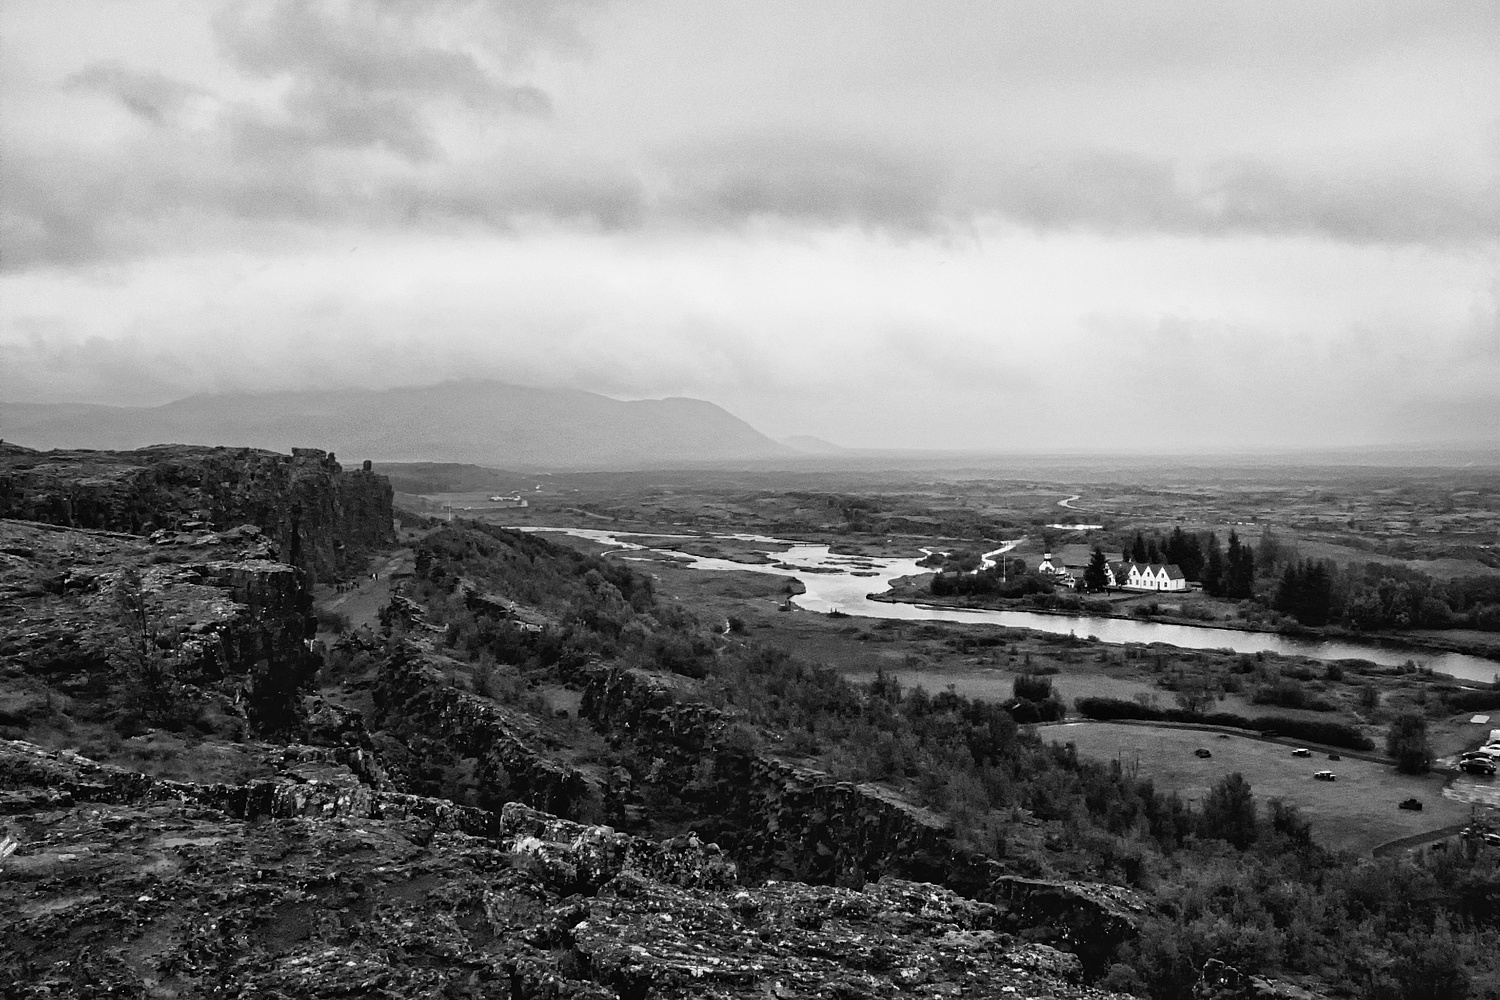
{"x": 1145, "y": 576}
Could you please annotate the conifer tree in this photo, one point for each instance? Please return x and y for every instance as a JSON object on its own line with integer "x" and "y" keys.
{"x": 1213, "y": 568}
{"x": 1095, "y": 576}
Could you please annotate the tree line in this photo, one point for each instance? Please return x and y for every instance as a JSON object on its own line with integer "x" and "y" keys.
{"x": 1223, "y": 573}
{"x": 1374, "y": 596}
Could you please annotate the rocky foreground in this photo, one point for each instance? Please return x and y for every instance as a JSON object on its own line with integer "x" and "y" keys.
{"x": 305, "y": 884}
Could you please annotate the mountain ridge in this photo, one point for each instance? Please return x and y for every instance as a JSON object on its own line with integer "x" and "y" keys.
{"x": 473, "y": 421}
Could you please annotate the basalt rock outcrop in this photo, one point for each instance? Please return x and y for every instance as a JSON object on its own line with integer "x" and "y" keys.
{"x": 778, "y": 818}
{"x": 119, "y": 887}
{"x": 317, "y": 515}
{"x": 216, "y": 605}
{"x": 431, "y": 725}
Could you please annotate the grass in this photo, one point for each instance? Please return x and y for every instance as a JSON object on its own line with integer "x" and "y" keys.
{"x": 1356, "y": 812}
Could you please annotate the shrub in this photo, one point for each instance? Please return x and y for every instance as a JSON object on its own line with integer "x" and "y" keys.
{"x": 1336, "y": 734}
{"x": 1406, "y": 741}
{"x": 1032, "y": 687}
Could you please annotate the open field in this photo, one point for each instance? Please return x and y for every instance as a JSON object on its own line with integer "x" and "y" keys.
{"x": 995, "y": 683}
{"x": 1356, "y": 812}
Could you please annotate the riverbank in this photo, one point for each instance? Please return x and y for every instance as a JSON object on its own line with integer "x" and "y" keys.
{"x": 1427, "y": 644}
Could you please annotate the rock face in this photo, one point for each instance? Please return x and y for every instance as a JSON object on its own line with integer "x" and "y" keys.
{"x": 780, "y": 818}
{"x": 216, "y": 605}
{"x": 316, "y": 514}
{"x": 120, "y": 886}
{"x": 435, "y": 724}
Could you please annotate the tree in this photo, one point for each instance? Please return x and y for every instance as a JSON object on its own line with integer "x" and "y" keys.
{"x": 1406, "y": 741}
{"x": 1305, "y": 592}
{"x": 1032, "y": 687}
{"x": 1195, "y": 695}
{"x": 1229, "y": 812}
{"x": 1138, "y": 549}
{"x": 151, "y": 684}
{"x": 1239, "y": 569}
{"x": 1096, "y": 575}
{"x": 1213, "y": 568}
{"x": 1289, "y": 822}
{"x": 1190, "y": 557}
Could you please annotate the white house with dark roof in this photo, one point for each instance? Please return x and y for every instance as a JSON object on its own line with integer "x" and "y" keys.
{"x": 1146, "y": 576}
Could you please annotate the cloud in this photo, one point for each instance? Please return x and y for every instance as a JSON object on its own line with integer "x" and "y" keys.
{"x": 805, "y": 178}
{"x": 818, "y": 180}
{"x": 1116, "y": 193}
{"x": 373, "y": 76}
{"x": 153, "y": 96}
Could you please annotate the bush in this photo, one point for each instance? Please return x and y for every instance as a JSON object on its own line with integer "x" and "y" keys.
{"x": 1407, "y": 742}
{"x": 1336, "y": 734}
{"x": 1032, "y": 687}
{"x": 1289, "y": 693}
{"x": 1473, "y": 701}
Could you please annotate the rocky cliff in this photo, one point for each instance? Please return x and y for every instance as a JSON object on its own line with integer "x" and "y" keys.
{"x": 317, "y": 515}
{"x": 315, "y": 886}
{"x": 778, "y": 818}
{"x": 84, "y": 612}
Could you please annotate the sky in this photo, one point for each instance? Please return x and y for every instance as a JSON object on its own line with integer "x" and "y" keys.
{"x": 991, "y": 226}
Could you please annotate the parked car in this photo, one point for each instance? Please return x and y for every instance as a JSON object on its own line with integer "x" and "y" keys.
{"x": 1302, "y": 752}
{"x": 1411, "y": 804}
{"x": 1477, "y": 765}
{"x": 1326, "y": 776}
{"x": 1200, "y": 752}
{"x": 1492, "y": 838}
{"x": 1334, "y": 756}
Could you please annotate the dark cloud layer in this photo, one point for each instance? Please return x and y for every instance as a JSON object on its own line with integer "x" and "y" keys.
{"x": 363, "y": 103}
{"x": 69, "y": 212}
{"x": 363, "y": 76}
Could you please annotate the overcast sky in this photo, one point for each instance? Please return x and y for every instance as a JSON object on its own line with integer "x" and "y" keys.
{"x": 915, "y": 224}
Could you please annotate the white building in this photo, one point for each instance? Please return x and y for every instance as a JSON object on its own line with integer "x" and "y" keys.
{"x": 1057, "y": 571}
{"x": 1146, "y": 576}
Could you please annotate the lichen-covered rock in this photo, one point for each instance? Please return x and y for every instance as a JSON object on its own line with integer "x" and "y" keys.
{"x": 217, "y": 608}
{"x": 1086, "y": 918}
{"x": 808, "y": 824}
{"x": 437, "y": 722}
{"x": 1220, "y": 981}
{"x": 579, "y": 857}
{"x": 310, "y": 781}
{"x": 131, "y": 887}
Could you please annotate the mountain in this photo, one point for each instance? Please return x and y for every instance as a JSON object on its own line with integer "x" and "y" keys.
{"x": 489, "y": 423}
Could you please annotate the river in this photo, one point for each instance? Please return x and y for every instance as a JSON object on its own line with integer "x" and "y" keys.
{"x": 832, "y": 585}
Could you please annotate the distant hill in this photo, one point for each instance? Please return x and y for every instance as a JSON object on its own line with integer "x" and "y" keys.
{"x": 487, "y": 423}
{"x": 810, "y": 445}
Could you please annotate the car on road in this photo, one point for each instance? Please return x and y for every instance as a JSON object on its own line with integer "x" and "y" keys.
{"x": 1302, "y": 752}
{"x": 1200, "y": 752}
{"x": 1334, "y": 756}
{"x": 1326, "y": 776}
{"x": 1411, "y": 804}
{"x": 1477, "y": 765}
